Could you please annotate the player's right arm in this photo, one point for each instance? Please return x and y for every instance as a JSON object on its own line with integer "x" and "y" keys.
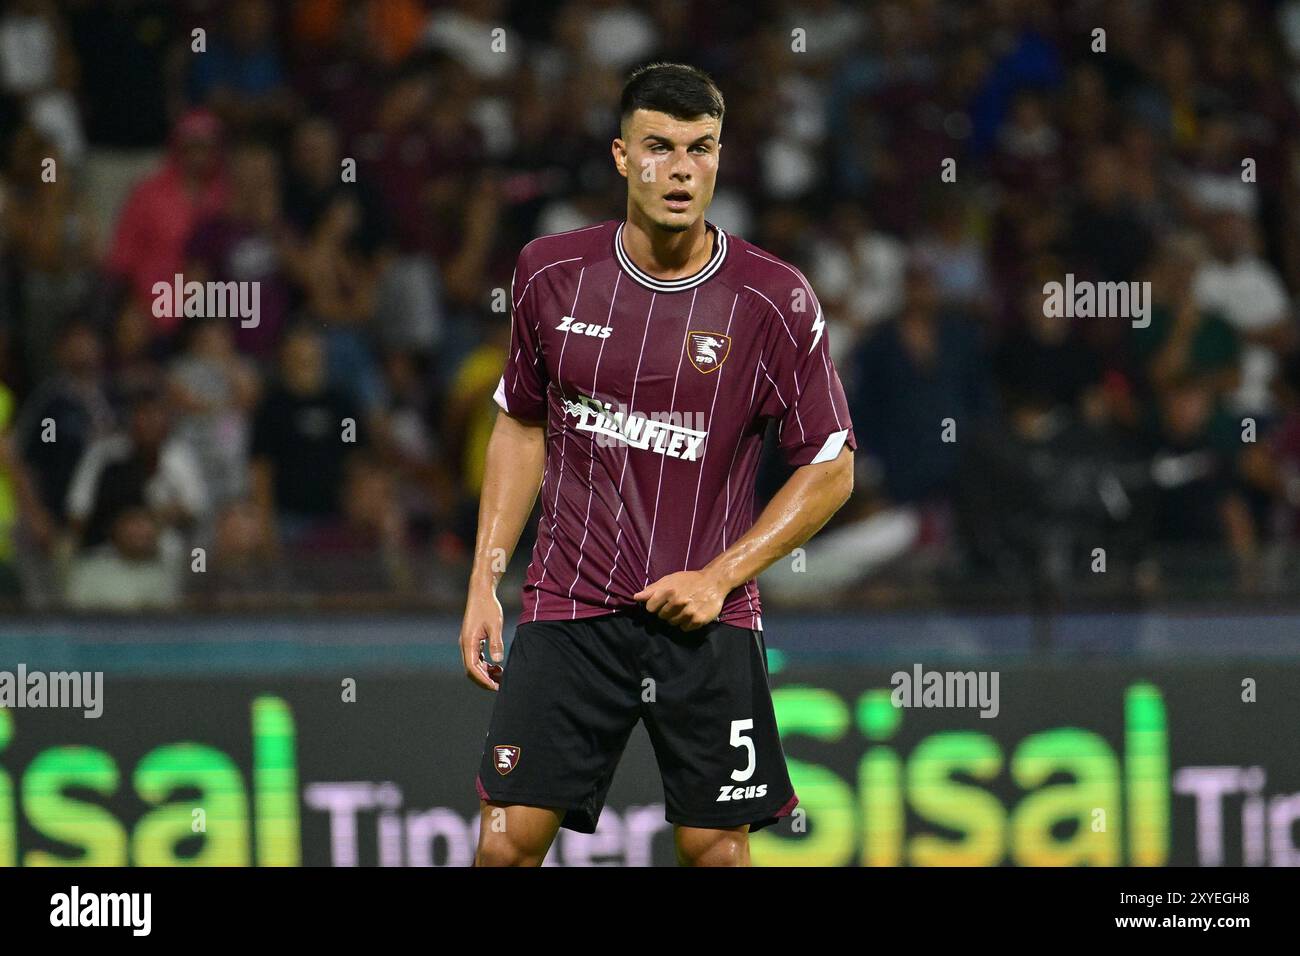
{"x": 512, "y": 476}
{"x": 516, "y": 455}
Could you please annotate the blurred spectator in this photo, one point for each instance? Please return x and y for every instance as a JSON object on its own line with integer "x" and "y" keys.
{"x": 615, "y": 34}
{"x": 953, "y": 255}
{"x": 145, "y": 466}
{"x": 1046, "y": 357}
{"x": 65, "y": 416}
{"x": 332, "y": 260}
{"x": 1028, "y": 154}
{"x": 1200, "y": 505}
{"x": 1177, "y": 98}
{"x": 299, "y": 445}
{"x": 367, "y": 545}
{"x": 135, "y": 569}
{"x": 834, "y": 29}
{"x": 155, "y": 224}
{"x": 248, "y": 242}
{"x": 214, "y": 390}
{"x": 38, "y": 66}
{"x": 463, "y": 28}
{"x": 468, "y": 419}
{"x": 1107, "y": 240}
{"x": 53, "y": 242}
{"x": 410, "y": 442}
{"x": 21, "y": 508}
{"x": 240, "y": 76}
{"x": 920, "y": 375}
{"x": 1027, "y": 58}
{"x": 134, "y": 355}
{"x": 391, "y": 27}
{"x": 1037, "y": 490}
{"x": 1272, "y": 467}
{"x": 1235, "y": 282}
{"x": 31, "y": 42}
{"x": 858, "y": 273}
{"x": 1185, "y": 340}
{"x": 245, "y": 563}
{"x": 314, "y": 187}
{"x": 1214, "y": 182}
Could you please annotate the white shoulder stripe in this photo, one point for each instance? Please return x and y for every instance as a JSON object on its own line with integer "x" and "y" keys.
{"x": 539, "y": 272}
{"x": 784, "y": 265}
{"x": 779, "y": 314}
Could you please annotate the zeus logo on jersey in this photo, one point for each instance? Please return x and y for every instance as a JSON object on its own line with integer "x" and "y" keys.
{"x": 740, "y": 793}
{"x": 570, "y": 324}
{"x": 634, "y": 429}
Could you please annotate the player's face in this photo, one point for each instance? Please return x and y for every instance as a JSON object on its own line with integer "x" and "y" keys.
{"x": 671, "y": 166}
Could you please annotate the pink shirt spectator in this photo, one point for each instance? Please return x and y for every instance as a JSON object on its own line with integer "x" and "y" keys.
{"x": 162, "y": 210}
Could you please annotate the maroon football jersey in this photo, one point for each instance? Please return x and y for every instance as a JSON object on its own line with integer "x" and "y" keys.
{"x": 656, "y": 395}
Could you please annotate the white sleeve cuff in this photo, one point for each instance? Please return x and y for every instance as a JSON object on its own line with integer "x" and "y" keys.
{"x": 834, "y": 442}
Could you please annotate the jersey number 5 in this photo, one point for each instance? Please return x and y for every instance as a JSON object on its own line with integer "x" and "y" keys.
{"x": 740, "y": 740}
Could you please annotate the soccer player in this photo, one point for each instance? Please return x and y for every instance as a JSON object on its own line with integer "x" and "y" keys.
{"x": 646, "y": 359}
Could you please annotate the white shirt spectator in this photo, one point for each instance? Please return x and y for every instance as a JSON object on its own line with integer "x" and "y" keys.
{"x": 1249, "y": 294}
{"x": 619, "y": 36}
{"x": 27, "y": 54}
{"x": 472, "y": 43}
{"x": 1222, "y": 192}
{"x": 177, "y": 480}
{"x": 867, "y": 277}
{"x": 105, "y": 580}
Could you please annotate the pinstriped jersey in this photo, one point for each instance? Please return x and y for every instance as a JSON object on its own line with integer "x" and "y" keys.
{"x": 656, "y": 395}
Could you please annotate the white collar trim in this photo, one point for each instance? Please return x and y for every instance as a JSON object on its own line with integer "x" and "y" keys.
{"x": 672, "y": 285}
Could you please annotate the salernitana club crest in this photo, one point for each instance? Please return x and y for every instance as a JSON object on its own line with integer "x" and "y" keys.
{"x": 707, "y": 350}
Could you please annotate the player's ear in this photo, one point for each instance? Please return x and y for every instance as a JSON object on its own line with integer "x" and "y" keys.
{"x": 619, "y": 150}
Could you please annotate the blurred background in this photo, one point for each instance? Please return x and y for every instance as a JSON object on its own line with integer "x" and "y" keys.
{"x": 1069, "y": 435}
{"x": 1105, "y": 512}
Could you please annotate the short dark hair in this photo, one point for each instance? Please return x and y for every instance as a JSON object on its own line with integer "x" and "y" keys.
{"x": 683, "y": 92}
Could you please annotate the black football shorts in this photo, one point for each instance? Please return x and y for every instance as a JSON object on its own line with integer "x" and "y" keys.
{"x": 573, "y": 690}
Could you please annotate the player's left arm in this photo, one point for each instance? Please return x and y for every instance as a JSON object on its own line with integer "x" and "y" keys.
{"x": 816, "y": 439}
{"x": 691, "y": 599}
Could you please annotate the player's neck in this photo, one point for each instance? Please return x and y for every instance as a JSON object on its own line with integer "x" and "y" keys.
{"x": 667, "y": 255}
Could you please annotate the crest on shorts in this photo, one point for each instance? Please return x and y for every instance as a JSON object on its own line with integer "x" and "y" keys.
{"x": 505, "y": 758}
{"x": 707, "y": 350}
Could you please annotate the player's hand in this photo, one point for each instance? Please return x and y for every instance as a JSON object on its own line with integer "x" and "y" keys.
{"x": 483, "y": 622}
{"x": 685, "y": 599}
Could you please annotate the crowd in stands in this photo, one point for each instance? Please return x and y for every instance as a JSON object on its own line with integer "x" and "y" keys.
{"x": 374, "y": 166}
